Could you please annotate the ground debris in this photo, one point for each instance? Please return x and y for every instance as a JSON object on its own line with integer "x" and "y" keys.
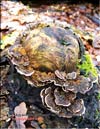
{"x": 15, "y": 17}
{"x": 17, "y": 94}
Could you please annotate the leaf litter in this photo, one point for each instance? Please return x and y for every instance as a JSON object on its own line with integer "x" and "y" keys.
{"x": 82, "y": 19}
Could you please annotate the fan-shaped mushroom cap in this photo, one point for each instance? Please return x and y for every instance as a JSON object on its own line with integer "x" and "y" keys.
{"x": 63, "y": 98}
{"x": 81, "y": 84}
{"x": 62, "y": 103}
{"x": 77, "y": 107}
{"x": 47, "y": 99}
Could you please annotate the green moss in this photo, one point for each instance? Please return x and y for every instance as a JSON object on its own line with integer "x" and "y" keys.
{"x": 98, "y": 96}
{"x": 86, "y": 65}
{"x": 97, "y": 114}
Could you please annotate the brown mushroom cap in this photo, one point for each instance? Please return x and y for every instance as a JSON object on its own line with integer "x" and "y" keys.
{"x": 77, "y": 107}
{"x": 80, "y": 84}
{"x": 63, "y": 98}
{"x": 47, "y": 99}
{"x": 62, "y": 103}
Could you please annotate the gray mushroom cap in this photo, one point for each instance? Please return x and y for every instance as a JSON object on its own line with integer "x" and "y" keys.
{"x": 81, "y": 84}
{"x": 63, "y": 98}
{"x": 62, "y": 103}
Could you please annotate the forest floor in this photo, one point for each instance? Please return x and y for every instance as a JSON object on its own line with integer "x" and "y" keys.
{"x": 85, "y": 22}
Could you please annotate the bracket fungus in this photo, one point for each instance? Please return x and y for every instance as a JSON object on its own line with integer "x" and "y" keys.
{"x": 62, "y": 103}
{"x": 48, "y": 55}
{"x": 44, "y": 52}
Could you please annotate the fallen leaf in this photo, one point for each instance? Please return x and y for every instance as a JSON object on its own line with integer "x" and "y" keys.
{"x": 20, "y": 115}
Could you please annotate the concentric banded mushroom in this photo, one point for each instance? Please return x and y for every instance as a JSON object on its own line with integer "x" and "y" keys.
{"x": 61, "y": 103}
{"x": 49, "y": 55}
{"x": 81, "y": 84}
{"x": 44, "y": 52}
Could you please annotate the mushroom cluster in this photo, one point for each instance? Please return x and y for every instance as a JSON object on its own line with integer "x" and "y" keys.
{"x": 48, "y": 56}
{"x": 46, "y": 53}
{"x": 62, "y": 103}
{"x": 63, "y": 100}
